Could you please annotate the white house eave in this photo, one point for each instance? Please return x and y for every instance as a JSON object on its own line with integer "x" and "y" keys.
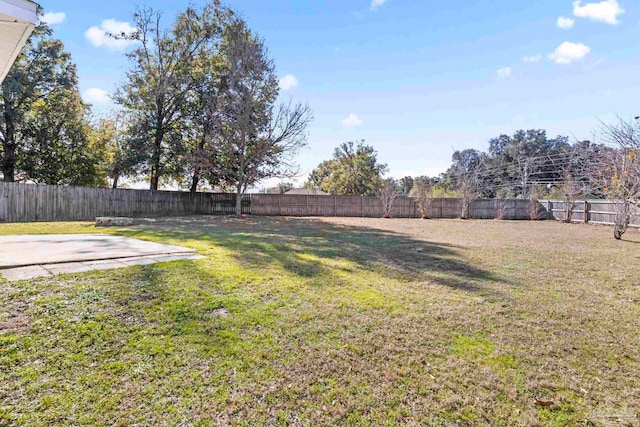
{"x": 20, "y": 10}
{"x": 17, "y": 20}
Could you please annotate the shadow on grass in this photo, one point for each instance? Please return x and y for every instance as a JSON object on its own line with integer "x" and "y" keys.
{"x": 307, "y": 247}
{"x": 634, "y": 240}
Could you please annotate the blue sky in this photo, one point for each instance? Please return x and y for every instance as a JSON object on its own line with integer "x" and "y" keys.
{"x": 415, "y": 79}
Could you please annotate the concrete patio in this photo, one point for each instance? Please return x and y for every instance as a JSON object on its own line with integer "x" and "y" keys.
{"x": 30, "y": 256}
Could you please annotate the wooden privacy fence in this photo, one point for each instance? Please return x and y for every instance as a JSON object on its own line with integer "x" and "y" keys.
{"x": 29, "y": 203}
{"x": 403, "y": 207}
{"x": 589, "y": 211}
{"x": 345, "y": 206}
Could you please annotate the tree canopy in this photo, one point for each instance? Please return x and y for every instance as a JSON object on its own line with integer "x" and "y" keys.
{"x": 44, "y": 124}
{"x": 166, "y": 69}
{"x": 202, "y": 96}
{"x": 516, "y": 165}
{"x": 255, "y": 139}
{"x": 354, "y": 170}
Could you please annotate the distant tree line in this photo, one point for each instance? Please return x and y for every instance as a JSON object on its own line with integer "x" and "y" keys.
{"x": 525, "y": 165}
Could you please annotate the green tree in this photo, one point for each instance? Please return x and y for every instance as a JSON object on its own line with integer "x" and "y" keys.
{"x": 354, "y": 170}
{"x": 43, "y": 121}
{"x": 111, "y": 141}
{"x": 521, "y": 161}
{"x": 405, "y": 185}
{"x": 164, "y": 72}
{"x": 57, "y": 147}
{"x": 198, "y": 145}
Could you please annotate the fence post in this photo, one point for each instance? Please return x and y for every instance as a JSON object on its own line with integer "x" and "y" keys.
{"x": 362, "y": 206}
{"x": 335, "y": 206}
{"x": 586, "y": 211}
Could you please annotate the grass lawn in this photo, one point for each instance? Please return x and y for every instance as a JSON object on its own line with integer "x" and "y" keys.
{"x": 333, "y": 322}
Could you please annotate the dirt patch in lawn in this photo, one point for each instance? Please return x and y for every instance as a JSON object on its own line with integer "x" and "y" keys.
{"x": 18, "y": 324}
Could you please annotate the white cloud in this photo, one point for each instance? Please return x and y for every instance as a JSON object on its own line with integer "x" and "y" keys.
{"x": 351, "y": 121}
{"x": 532, "y": 58}
{"x": 288, "y": 82}
{"x": 96, "y": 96}
{"x": 568, "y": 52}
{"x": 53, "y": 18}
{"x": 504, "y": 72}
{"x": 377, "y": 3}
{"x": 99, "y": 36}
{"x": 565, "y": 23}
{"x": 606, "y": 11}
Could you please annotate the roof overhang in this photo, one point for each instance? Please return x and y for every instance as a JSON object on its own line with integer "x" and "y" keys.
{"x": 17, "y": 21}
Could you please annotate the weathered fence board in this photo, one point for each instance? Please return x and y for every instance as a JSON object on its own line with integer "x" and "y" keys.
{"x": 596, "y": 211}
{"x": 589, "y": 211}
{"x": 349, "y": 206}
{"x": 403, "y": 207}
{"x": 30, "y": 203}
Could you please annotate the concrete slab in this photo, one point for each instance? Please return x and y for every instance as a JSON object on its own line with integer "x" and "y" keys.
{"x": 105, "y": 264}
{"x": 25, "y": 273}
{"x": 32, "y": 272}
{"x": 153, "y": 259}
{"x": 67, "y": 268}
{"x": 27, "y": 250}
{"x": 129, "y": 262}
{"x": 168, "y": 258}
{"x": 31, "y": 256}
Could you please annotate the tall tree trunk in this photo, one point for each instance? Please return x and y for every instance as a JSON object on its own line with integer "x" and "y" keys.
{"x": 153, "y": 186}
{"x": 240, "y": 190}
{"x": 466, "y": 207}
{"x": 195, "y": 180}
{"x": 115, "y": 182}
{"x": 8, "y": 163}
{"x": 157, "y": 154}
{"x": 240, "y": 180}
{"x": 9, "y": 149}
{"x": 239, "y": 200}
